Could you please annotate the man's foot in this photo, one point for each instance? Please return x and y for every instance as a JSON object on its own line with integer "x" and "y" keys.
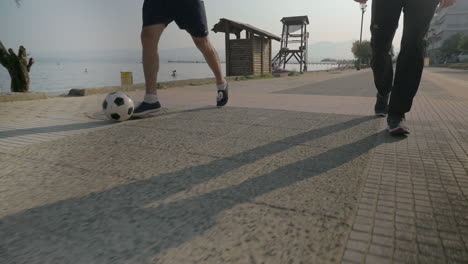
{"x": 397, "y": 126}
{"x": 381, "y": 106}
{"x": 223, "y": 96}
{"x": 146, "y": 108}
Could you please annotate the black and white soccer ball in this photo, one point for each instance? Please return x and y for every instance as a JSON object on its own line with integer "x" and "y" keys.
{"x": 118, "y": 106}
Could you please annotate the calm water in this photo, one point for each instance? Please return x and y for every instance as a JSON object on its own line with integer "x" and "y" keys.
{"x": 59, "y": 77}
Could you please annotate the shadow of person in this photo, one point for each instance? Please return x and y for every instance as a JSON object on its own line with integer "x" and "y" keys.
{"x": 116, "y": 226}
{"x": 52, "y": 129}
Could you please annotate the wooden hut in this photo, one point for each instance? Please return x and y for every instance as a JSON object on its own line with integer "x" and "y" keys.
{"x": 248, "y": 56}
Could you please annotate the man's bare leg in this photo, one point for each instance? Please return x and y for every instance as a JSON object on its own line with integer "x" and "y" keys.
{"x": 211, "y": 57}
{"x": 150, "y": 37}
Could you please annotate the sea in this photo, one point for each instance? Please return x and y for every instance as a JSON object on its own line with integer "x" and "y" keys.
{"x": 58, "y": 76}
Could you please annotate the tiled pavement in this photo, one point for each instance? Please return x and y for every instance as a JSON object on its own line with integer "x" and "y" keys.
{"x": 414, "y": 201}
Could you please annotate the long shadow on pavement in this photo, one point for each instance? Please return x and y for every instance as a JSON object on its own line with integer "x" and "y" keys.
{"x": 114, "y": 227}
{"x": 169, "y": 113}
{"x": 52, "y": 129}
{"x": 357, "y": 85}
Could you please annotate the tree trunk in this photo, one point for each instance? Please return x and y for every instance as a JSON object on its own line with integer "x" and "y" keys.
{"x": 18, "y": 66}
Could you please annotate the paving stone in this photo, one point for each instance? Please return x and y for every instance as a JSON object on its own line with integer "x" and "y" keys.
{"x": 371, "y": 259}
{"x": 405, "y": 256}
{"x": 430, "y": 259}
{"x": 453, "y": 244}
{"x": 380, "y": 250}
{"x": 456, "y": 256}
{"x": 405, "y": 245}
{"x": 357, "y": 245}
{"x": 360, "y": 236}
{"x": 382, "y": 240}
{"x": 429, "y": 250}
{"x": 353, "y": 256}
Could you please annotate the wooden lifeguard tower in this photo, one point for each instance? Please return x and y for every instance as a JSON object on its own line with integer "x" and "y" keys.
{"x": 294, "y": 42}
{"x": 249, "y": 56}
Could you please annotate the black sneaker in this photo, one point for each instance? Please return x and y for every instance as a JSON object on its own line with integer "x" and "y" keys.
{"x": 397, "y": 126}
{"x": 223, "y": 97}
{"x": 146, "y": 108}
{"x": 381, "y": 106}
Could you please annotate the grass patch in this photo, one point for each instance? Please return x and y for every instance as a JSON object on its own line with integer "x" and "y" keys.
{"x": 293, "y": 74}
{"x": 457, "y": 66}
{"x": 201, "y": 83}
{"x": 254, "y": 77}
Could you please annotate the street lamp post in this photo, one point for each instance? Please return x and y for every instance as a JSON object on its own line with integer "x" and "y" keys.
{"x": 363, "y": 9}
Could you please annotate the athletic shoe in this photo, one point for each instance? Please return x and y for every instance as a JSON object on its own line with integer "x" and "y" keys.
{"x": 223, "y": 96}
{"x": 146, "y": 108}
{"x": 381, "y": 106}
{"x": 397, "y": 126}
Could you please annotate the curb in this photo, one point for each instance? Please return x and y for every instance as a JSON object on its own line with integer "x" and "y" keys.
{"x": 91, "y": 91}
{"x": 12, "y": 97}
{"x": 161, "y": 85}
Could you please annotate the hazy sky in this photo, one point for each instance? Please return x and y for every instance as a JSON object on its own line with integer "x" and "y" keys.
{"x": 62, "y": 25}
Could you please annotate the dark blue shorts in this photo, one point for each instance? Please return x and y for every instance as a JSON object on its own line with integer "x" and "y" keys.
{"x": 188, "y": 14}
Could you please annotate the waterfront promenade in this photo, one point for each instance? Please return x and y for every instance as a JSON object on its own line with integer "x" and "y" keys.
{"x": 294, "y": 170}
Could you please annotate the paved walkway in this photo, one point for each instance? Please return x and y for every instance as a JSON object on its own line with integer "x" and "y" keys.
{"x": 295, "y": 170}
{"x": 414, "y": 207}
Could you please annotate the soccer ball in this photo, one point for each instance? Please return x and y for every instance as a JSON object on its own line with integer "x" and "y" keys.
{"x": 118, "y": 106}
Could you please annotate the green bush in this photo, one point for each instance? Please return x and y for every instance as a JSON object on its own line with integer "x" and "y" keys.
{"x": 463, "y": 44}
{"x": 363, "y": 51}
{"x": 254, "y": 77}
{"x": 294, "y": 74}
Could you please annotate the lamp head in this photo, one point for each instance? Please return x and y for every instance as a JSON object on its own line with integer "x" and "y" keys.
{"x": 363, "y": 7}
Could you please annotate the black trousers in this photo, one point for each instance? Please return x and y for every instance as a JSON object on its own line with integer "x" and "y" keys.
{"x": 385, "y": 17}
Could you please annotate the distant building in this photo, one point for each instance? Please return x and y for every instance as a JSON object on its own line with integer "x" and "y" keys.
{"x": 446, "y": 23}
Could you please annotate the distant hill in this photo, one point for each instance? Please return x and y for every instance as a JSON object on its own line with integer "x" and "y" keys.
{"x": 185, "y": 54}
{"x": 112, "y": 56}
{"x": 330, "y": 50}
{"x": 328, "y": 60}
{"x": 317, "y": 52}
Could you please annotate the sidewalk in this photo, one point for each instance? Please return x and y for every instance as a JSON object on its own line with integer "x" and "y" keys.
{"x": 414, "y": 208}
{"x": 295, "y": 170}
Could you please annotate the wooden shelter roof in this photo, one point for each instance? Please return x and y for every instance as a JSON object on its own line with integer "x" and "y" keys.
{"x": 296, "y": 20}
{"x": 236, "y": 27}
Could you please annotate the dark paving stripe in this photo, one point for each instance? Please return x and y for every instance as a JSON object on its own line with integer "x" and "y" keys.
{"x": 361, "y": 85}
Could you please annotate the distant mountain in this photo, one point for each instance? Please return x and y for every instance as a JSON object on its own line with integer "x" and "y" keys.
{"x": 317, "y": 52}
{"x": 112, "y": 56}
{"x": 120, "y": 56}
{"x": 331, "y": 50}
{"x": 184, "y": 54}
